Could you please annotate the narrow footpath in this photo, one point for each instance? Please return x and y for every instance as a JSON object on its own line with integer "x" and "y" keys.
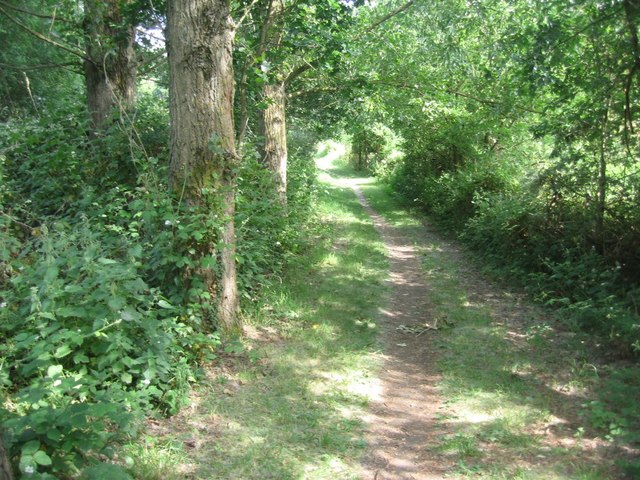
{"x": 403, "y": 429}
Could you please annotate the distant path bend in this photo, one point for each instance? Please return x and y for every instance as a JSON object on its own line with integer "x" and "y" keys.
{"x": 403, "y": 430}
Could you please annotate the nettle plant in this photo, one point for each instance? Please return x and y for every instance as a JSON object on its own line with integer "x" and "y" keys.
{"x": 88, "y": 345}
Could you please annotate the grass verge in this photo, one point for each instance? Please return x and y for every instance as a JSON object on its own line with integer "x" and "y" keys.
{"x": 288, "y": 402}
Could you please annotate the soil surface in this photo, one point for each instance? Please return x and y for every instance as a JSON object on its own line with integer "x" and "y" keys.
{"x": 403, "y": 430}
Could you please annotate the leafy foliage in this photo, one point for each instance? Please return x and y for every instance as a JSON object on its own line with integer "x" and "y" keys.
{"x": 104, "y": 317}
{"x": 516, "y": 132}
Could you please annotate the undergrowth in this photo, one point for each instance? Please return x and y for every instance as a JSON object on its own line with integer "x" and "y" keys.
{"x": 288, "y": 402}
{"x": 103, "y": 318}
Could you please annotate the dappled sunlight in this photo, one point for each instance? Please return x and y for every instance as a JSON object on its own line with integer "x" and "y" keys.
{"x": 509, "y": 408}
{"x": 331, "y": 160}
{"x": 327, "y": 152}
{"x": 293, "y": 405}
{"x": 358, "y": 383}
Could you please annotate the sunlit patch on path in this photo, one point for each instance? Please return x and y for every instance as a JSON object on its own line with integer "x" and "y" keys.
{"x": 403, "y": 428}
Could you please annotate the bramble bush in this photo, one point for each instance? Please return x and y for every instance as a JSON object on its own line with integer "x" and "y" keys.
{"x": 89, "y": 344}
{"x": 96, "y": 327}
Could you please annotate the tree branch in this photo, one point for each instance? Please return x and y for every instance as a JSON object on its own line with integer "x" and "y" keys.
{"x": 247, "y": 11}
{"x": 34, "y": 14}
{"x": 296, "y": 72}
{"x": 309, "y": 65}
{"x": 349, "y": 84}
{"x": 45, "y": 39}
{"x": 488, "y": 102}
{"x": 28, "y": 229}
{"x": 388, "y": 16}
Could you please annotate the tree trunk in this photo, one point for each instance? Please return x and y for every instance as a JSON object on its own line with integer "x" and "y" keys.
{"x": 601, "y": 206}
{"x": 200, "y": 37}
{"x": 274, "y": 130}
{"x": 110, "y": 74}
{"x": 5, "y": 465}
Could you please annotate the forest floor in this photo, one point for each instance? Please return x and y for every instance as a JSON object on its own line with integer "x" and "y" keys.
{"x": 385, "y": 355}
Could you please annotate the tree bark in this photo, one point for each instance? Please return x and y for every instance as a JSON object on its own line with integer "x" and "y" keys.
{"x": 200, "y": 36}
{"x": 274, "y": 131}
{"x": 601, "y": 206}
{"x": 273, "y": 127}
{"x": 111, "y": 67}
{"x": 5, "y": 465}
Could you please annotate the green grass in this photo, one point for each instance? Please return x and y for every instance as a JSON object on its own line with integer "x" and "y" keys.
{"x": 291, "y": 406}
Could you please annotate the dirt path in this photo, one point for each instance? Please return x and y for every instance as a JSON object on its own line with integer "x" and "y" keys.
{"x": 403, "y": 428}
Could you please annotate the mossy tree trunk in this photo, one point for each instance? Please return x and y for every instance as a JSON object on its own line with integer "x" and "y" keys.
{"x": 5, "y": 465}
{"x": 203, "y": 157}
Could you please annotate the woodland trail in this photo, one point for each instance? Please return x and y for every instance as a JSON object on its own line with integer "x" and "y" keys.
{"x": 387, "y": 355}
{"x": 403, "y": 431}
{"x": 474, "y": 372}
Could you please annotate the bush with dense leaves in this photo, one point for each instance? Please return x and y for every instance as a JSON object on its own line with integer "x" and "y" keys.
{"x": 103, "y": 316}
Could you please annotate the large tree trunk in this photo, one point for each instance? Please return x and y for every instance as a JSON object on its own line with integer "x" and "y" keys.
{"x": 110, "y": 74}
{"x": 274, "y": 131}
{"x": 203, "y": 159}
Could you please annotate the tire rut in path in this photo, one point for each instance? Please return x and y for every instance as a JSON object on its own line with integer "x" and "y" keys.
{"x": 403, "y": 430}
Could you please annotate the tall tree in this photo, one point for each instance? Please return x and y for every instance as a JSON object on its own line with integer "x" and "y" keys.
{"x": 110, "y": 67}
{"x": 286, "y": 39}
{"x": 272, "y": 125}
{"x": 200, "y": 36}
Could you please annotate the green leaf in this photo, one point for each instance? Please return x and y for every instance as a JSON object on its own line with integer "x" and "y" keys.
{"x": 130, "y": 314}
{"x": 106, "y": 261}
{"x": 116, "y": 303}
{"x": 54, "y": 370}
{"x": 30, "y": 448}
{"x": 51, "y": 274}
{"x": 54, "y": 435}
{"x": 126, "y": 378}
{"x": 165, "y": 304}
{"x": 42, "y": 458}
{"x": 21, "y": 336}
{"x": 62, "y": 351}
{"x": 68, "y": 312}
{"x": 136, "y": 251}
